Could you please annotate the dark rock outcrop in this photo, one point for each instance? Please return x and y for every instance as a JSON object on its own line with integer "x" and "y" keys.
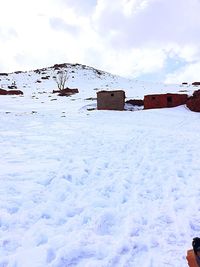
{"x": 66, "y": 92}
{"x": 193, "y": 102}
{"x": 10, "y": 92}
{"x": 196, "y": 83}
{"x": 37, "y": 71}
{"x": 18, "y": 72}
{"x": 3, "y": 92}
{"x": 56, "y": 91}
{"x": 59, "y": 66}
{"x": 12, "y": 87}
{"x": 45, "y": 77}
{"x": 14, "y": 92}
{"x": 135, "y": 102}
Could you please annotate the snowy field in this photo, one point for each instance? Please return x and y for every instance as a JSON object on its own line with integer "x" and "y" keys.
{"x": 96, "y": 188}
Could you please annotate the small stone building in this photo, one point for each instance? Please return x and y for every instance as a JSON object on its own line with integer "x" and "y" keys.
{"x": 111, "y": 100}
{"x": 164, "y": 100}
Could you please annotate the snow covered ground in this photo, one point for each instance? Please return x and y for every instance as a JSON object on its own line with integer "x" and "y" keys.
{"x": 95, "y": 188}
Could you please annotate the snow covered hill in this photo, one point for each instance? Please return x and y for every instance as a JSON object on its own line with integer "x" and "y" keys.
{"x": 41, "y": 82}
{"x": 95, "y": 188}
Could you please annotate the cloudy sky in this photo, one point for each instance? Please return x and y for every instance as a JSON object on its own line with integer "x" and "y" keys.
{"x": 157, "y": 40}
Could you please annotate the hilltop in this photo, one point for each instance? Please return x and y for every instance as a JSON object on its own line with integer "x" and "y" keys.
{"x": 89, "y": 80}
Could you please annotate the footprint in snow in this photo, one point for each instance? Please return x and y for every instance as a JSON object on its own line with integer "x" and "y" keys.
{"x": 3, "y": 264}
{"x": 74, "y": 211}
{"x": 105, "y": 224}
{"x": 74, "y": 257}
{"x": 195, "y": 226}
{"x": 139, "y": 248}
{"x": 41, "y": 240}
{"x": 51, "y": 255}
{"x": 12, "y": 210}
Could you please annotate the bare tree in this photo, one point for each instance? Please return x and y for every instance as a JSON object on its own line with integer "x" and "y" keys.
{"x": 61, "y": 79}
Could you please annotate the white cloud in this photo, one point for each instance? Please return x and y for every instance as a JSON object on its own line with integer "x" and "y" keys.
{"x": 59, "y": 24}
{"x": 134, "y": 62}
{"x": 129, "y": 37}
{"x": 80, "y": 7}
{"x": 189, "y": 73}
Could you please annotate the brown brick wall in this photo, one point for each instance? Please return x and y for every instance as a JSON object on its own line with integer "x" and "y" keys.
{"x": 164, "y": 100}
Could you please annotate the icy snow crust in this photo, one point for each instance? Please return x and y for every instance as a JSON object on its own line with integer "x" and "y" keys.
{"x": 95, "y": 188}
